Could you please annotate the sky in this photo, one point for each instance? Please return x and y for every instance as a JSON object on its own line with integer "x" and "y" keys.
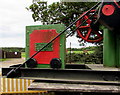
{"x": 14, "y": 18}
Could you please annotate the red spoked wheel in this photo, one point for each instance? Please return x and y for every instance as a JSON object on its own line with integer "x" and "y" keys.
{"x": 88, "y": 31}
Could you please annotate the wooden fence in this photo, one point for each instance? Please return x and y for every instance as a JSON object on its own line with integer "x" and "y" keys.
{"x": 8, "y": 86}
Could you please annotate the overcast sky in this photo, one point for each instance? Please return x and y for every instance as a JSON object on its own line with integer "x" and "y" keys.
{"x": 13, "y": 19}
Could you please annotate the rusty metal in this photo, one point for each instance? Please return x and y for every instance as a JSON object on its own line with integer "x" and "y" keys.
{"x": 68, "y": 75}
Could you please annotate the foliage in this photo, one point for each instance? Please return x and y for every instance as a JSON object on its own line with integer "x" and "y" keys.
{"x": 59, "y": 12}
{"x": 81, "y": 52}
{"x": 99, "y": 54}
{"x": 96, "y": 57}
{"x": 3, "y": 59}
{"x": 13, "y": 49}
{"x": 23, "y": 55}
{"x": 90, "y": 48}
{"x": 64, "y": 13}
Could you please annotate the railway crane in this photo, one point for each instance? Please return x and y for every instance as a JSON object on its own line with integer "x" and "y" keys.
{"x": 45, "y": 62}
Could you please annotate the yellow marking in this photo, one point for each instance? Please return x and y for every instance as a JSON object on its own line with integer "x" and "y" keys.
{"x": 20, "y": 92}
{"x": 8, "y": 85}
{"x": 12, "y": 83}
{"x": 1, "y": 84}
{"x": 20, "y": 84}
{"x": 16, "y": 85}
{"x": 4, "y": 85}
{"x": 28, "y": 82}
{"x": 25, "y": 84}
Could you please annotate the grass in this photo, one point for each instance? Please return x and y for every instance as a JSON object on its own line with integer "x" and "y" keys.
{"x": 3, "y": 59}
{"x": 81, "y": 52}
{"x": 23, "y": 54}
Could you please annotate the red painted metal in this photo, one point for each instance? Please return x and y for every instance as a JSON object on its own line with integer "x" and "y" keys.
{"x": 85, "y": 31}
{"x": 44, "y": 36}
{"x": 108, "y": 10}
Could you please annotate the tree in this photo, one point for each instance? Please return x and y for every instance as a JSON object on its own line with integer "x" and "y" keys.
{"x": 59, "y": 12}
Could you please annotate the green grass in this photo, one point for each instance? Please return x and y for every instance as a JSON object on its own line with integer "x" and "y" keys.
{"x": 81, "y": 52}
{"x": 3, "y": 59}
{"x": 23, "y": 54}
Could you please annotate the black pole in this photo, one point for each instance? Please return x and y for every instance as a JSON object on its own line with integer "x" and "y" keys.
{"x": 13, "y": 72}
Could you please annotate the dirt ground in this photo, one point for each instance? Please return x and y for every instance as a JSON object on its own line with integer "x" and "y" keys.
{"x": 12, "y": 61}
{"x": 9, "y": 62}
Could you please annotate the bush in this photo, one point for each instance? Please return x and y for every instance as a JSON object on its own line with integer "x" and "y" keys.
{"x": 95, "y": 57}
